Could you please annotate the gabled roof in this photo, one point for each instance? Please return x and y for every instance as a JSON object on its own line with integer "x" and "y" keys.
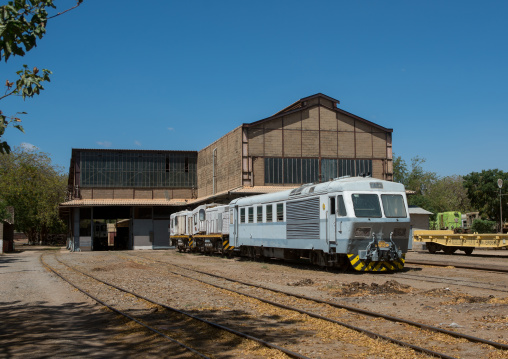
{"x": 303, "y": 103}
{"x": 300, "y": 103}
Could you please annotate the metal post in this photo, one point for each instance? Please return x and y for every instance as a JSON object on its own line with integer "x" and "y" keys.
{"x": 500, "y": 185}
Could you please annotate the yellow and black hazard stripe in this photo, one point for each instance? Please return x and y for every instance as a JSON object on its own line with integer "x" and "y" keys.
{"x": 225, "y": 245}
{"x": 380, "y": 266}
{"x": 191, "y": 242}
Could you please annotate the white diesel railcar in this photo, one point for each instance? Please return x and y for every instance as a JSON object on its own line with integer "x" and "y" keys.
{"x": 357, "y": 221}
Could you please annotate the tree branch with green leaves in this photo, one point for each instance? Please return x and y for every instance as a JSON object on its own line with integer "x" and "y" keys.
{"x": 22, "y": 23}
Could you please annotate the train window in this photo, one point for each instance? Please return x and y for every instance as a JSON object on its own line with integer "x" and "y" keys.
{"x": 393, "y": 205}
{"x": 341, "y": 207}
{"x": 231, "y": 216}
{"x": 366, "y": 205}
{"x": 201, "y": 214}
{"x": 242, "y": 215}
{"x": 259, "y": 214}
{"x": 251, "y": 215}
{"x": 269, "y": 213}
{"x": 332, "y": 205}
{"x": 280, "y": 212}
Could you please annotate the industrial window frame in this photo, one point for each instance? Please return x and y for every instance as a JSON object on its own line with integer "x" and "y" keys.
{"x": 138, "y": 169}
{"x": 279, "y": 170}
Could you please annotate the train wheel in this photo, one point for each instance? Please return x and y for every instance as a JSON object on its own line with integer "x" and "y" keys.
{"x": 468, "y": 250}
{"x": 449, "y": 250}
{"x": 431, "y": 247}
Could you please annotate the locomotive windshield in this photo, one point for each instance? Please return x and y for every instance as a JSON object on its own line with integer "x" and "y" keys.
{"x": 366, "y": 205}
{"x": 393, "y": 205}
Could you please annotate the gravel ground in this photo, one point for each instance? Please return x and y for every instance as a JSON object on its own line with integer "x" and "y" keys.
{"x": 42, "y": 316}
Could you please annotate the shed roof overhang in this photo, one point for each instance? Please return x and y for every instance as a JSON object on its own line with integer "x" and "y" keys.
{"x": 220, "y": 196}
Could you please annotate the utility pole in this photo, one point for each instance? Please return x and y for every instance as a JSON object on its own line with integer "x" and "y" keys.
{"x": 500, "y": 185}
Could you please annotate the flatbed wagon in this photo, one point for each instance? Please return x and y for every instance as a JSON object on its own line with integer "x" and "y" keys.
{"x": 449, "y": 242}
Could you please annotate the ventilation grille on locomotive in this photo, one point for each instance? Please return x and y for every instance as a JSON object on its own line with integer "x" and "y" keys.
{"x": 303, "y": 219}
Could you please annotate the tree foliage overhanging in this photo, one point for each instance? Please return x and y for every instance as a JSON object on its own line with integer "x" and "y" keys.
{"x": 35, "y": 188}
{"x": 22, "y": 23}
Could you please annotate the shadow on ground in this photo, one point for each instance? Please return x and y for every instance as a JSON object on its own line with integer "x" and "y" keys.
{"x": 74, "y": 330}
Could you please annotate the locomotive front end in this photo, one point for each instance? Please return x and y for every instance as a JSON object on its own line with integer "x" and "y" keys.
{"x": 379, "y": 236}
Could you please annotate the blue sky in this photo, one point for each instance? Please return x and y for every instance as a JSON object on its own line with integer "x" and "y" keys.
{"x": 177, "y": 75}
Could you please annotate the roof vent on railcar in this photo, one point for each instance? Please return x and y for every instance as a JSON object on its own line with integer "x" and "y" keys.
{"x": 299, "y": 190}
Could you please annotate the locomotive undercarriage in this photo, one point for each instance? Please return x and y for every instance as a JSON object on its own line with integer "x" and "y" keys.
{"x": 316, "y": 257}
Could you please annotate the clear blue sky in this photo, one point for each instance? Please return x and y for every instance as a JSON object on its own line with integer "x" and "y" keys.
{"x": 177, "y": 75}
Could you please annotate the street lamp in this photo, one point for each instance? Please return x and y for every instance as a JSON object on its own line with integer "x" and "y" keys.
{"x": 500, "y": 185}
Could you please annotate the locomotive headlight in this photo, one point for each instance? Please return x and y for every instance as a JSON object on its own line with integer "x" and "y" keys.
{"x": 362, "y": 232}
{"x": 399, "y": 232}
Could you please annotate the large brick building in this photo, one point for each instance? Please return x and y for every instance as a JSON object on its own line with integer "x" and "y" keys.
{"x": 311, "y": 140}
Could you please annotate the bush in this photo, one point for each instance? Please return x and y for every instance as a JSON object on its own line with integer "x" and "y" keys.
{"x": 483, "y": 226}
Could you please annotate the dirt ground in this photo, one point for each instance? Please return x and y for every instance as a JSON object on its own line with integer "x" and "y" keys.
{"x": 43, "y": 317}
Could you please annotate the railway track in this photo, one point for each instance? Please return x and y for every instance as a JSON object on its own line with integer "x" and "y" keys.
{"x": 423, "y": 329}
{"x": 145, "y": 321}
{"x": 491, "y": 268}
{"x": 435, "y": 354}
{"x": 495, "y": 287}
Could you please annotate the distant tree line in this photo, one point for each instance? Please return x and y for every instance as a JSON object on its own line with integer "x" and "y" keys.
{"x": 474, "y": 192}
{"x": 34, "y": 188}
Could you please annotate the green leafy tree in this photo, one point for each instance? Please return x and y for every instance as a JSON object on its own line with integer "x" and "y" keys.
{"x": 22, "y": 23}
{"x": 415, "y": 179}
{"x": 4, "y": 212}
{"x": 483, "y": 192}
{"x": 483, "y": 226}
{"x": 34, "y": 187}
{"x": 431, "y": 192}
{"x": 399, "y": 170}
{"x": 449, "y": 194}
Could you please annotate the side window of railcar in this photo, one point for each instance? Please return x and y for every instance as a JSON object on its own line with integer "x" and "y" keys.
{"x": 366, "y": 205}
{"x": 251, "y": 215}
{"x": 341, "y": 207}
{"x": 280, "y": 212}
{"x": 269, "y": 213}
{"x": 231, "y": 216}
{"x": 242, "y": 215}
{"x": 332, "y": 205}
{"x": 393, "y": 205}
{"x": 259, "y": 214}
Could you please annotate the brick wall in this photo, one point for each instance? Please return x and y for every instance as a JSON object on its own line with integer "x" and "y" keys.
{"x": 323, "y": 132}
{"x": 228, "y": 164}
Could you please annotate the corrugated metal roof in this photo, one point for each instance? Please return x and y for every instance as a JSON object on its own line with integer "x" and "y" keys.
{"x": 262, "y": 189}
{"x": 123, "y": 202}
{"x": 418, "y": 210}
